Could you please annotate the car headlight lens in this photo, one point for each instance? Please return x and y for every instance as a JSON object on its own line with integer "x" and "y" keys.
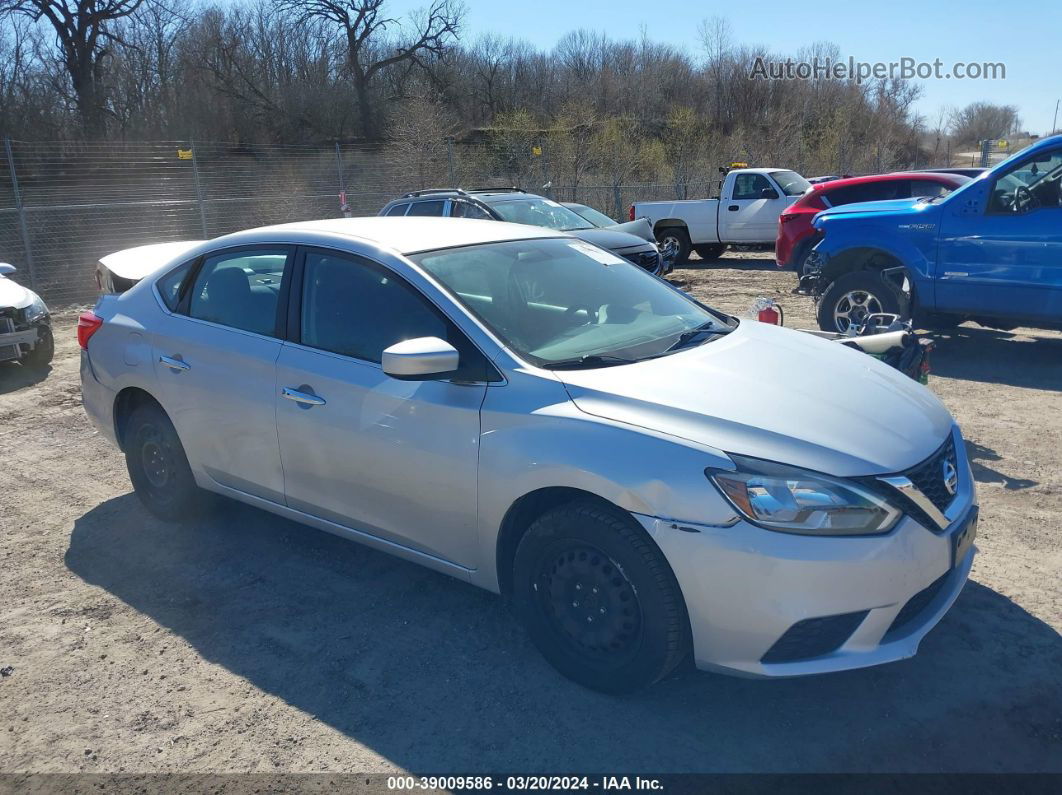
{"x": 35, "y": 311}
{"x": 792, "y": 500}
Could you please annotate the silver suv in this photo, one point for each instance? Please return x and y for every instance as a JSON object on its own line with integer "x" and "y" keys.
{"x": 535, "y": 415}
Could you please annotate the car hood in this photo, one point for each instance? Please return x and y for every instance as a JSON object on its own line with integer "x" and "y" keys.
{"x": 14, "y": 295}
{"x": 775, "y": 394}
{"x": 639, "y": 227}
{"x": 136, "y": 263}
{"x": 612, "y": 239}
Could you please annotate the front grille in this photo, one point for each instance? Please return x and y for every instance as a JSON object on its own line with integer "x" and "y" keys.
{"x": 813, "y": 637}
{"x": 650, "y": 260}
{"x": 928, "y": 476}
{"x": 916, "y": 606}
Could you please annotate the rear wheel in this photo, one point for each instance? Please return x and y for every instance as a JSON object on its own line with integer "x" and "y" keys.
{"x": 598, "y": 598}
{"x": 800, "y": 258}
{"x": 853, "y": 296}
{"x": 674, "y": 239}
{"x": 158, "y": 467}
{"x": 711, "y": 252}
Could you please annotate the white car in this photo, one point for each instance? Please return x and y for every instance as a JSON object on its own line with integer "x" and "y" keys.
{"x": 25, "y": 323}
{"x": 750, "y": 201}
{"x": 117, "y": 272}
{"x": 537, "y": 416}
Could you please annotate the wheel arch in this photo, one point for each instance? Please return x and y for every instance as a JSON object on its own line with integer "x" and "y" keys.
{"x": 865, "y": 258}
{"x": 522, "y": 513}
{"x": 125, "y": 402}
{"x": 668, "y": 223}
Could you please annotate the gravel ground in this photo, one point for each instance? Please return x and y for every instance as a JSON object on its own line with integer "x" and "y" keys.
{"x": 248, "y": 643}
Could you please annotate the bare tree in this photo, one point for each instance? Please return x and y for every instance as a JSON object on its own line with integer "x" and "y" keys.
{"x": 981, "y": 120}
{"x": 375, "y": 42}
{"x": 84, "y": 32}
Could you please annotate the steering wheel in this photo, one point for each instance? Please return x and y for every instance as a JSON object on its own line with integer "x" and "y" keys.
{"x": 574, "y": 309}
{"x": 1023, "y": 199}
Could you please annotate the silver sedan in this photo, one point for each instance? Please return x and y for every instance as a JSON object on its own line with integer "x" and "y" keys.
{"x": 645, "y": 477}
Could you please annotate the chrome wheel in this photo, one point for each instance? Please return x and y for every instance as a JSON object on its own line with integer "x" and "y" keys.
{"x": 853, "y": 308}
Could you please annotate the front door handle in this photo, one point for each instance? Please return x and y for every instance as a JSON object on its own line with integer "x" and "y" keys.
{"x": 733, "y": 208}
{"x": 302, "y": 398}
{"x": 176, "y": 365}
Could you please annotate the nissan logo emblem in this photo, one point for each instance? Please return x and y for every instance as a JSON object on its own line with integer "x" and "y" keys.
{"x": 951, "y": 476}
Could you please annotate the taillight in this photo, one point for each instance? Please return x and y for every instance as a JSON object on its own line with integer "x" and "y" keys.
{"x": 786, "y": 217}
{"x": 88, "y": 323}
{"x": 630, "y": 213}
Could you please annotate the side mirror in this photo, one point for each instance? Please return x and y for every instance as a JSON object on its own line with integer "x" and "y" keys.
{"x": 6, "y": 268}
{"x": 768, "y": 193}
{"x": 420, "y": 359}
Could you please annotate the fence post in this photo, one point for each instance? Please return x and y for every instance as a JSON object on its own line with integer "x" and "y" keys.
{"x": 450, "y": 159}
{"x": 198, "y": 191}
{"x": 339, "y": 168}
{"x": 27, "y": 250}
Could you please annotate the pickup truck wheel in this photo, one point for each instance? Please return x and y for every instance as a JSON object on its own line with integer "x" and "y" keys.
{"x": 675, "y": 239}
{"x": 158, "y": 467}
{"x": 599, "y": 599}
{"x": 853, "y": 296}
{"x": 710, "y": 253}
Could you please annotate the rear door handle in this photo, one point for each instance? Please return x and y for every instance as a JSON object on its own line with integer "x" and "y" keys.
{"x": 174, "y": 364}
{"x": 302, "y": 398}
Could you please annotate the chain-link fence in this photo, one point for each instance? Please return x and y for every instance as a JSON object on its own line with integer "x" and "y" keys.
{"x": 63, "y": 205}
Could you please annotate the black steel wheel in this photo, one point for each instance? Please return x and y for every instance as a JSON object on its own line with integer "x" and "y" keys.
{"x": 158, "y": 467}
{"x": 599, "y": 599}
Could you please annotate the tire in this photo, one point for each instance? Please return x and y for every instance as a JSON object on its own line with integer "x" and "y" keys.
{"x": 856, "y": 294}
{"x": 800, "y": 258}
{"x": 43, "y": 351}
{"x": 158, "y": 467}
{"x": 677, "y": 236}
{"x": 588, "y": 548}
{"x": 710, "y": 253}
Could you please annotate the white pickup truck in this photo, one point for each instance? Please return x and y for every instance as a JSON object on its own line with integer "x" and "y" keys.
{"x": 750, "y": 201}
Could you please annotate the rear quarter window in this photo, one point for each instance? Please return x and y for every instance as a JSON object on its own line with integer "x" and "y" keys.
{"x": 169, "y": 286}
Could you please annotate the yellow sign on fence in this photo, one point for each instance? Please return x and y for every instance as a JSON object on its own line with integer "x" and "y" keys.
{"x": 184, "y": 154}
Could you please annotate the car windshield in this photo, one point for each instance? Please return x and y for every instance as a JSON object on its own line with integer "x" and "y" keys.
{"x": 537, "y": 211}
{"x": 791, "y": 183}
{"x": 598, "y": 219}
{"x": 560, "y": 302}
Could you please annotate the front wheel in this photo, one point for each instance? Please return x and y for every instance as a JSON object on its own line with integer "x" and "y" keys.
{"x": 854, "y": 296}
{"x": 710, "y": 252}
{"x": 598, "y": 598}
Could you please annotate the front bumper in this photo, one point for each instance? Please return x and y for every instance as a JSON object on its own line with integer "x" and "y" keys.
{"x": 746, "y": 587}
{"x": 17, "y": 342}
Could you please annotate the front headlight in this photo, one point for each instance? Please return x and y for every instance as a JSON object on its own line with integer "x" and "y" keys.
{"x": 791, "y": 500}
{"x": 35, "y": 311}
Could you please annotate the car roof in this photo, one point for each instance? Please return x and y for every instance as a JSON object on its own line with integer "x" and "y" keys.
{"x": 403, "y": 234}
{"x": 932, "y": 176}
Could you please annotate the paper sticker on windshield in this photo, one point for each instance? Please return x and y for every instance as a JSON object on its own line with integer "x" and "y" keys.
{"x": 595, "y": 253}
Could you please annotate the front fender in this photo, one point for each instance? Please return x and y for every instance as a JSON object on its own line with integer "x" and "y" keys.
{"x": 547, "y": 442}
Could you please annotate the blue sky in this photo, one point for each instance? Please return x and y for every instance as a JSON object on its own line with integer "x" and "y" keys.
{"x": 1023, "y": 36}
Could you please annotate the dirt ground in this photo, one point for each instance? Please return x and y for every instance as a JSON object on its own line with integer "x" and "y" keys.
{"x": 248, "y": 643}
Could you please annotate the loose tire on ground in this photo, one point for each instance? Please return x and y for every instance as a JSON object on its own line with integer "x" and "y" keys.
{"x": 675, "y": 236}
{"x": 856, "y": 294}
{"x": 158, "y": 467}
{"x": 710, "y": 253}
{"x": 587, "y": 562}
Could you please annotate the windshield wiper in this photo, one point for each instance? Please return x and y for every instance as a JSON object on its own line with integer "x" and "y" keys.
{"x": 588, "y": 361}
{"x": 690, "y": 335}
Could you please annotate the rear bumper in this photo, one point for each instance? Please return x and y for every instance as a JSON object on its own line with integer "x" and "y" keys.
{"x": 749, "y": 590}
{"x": 98, "y": 400}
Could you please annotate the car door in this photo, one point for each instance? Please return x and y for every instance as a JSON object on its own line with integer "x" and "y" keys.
{"x": 1003, "y": 258}
{"x": 397, "y": 459}
{"x": 215, "y": 362}
{"x": 746, "y": 216}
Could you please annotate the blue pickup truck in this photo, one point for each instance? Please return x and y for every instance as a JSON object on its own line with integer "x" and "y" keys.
{"x": 990, "y": 252}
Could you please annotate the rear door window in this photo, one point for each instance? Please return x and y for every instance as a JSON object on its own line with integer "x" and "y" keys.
{"x": 240, "y": 289}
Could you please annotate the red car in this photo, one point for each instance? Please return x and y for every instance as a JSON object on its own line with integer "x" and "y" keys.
{"x": 796, "y": 236}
